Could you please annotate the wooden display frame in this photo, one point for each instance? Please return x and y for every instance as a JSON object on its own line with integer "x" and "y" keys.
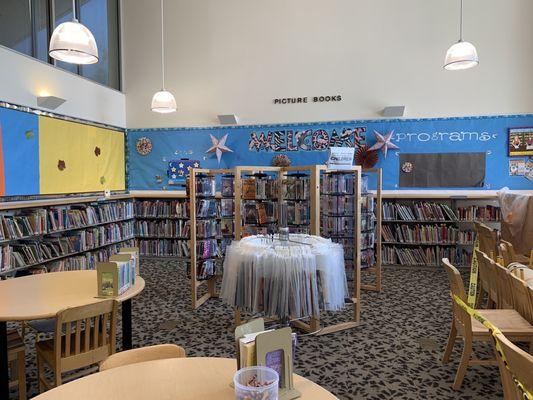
{"x": 210, "y": 282}
{"x": 376, "y": 269}
{"x": 356, "y": 294}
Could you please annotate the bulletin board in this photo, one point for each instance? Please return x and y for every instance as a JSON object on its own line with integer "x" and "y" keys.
{"x": 44, "y": 155}
{"x": 308, "y": 143}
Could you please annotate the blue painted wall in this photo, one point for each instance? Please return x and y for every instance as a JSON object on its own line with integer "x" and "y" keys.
{"x": 20, "y": 146}
{"x": 474, "y": 134}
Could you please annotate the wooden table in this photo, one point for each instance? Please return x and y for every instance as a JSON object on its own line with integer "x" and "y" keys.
{"x": 41, "y": 296}
{"x": 195, "y": 378}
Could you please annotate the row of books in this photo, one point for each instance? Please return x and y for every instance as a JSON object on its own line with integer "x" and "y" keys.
{"x": 208, "y": 248}
{"x": 208, "y": 268}
{"x": 479, "y": 213}
{"x": 429, "y": 256}
{"x": 87, "y": 260}
{"x": 28, "y": 253}
{"x": 260, "y": 186}
{"x": 260, "y": 212}
{"x": 421, "y": 211}
{"x": 41, "y": 221}
{"x": 208, "y": 208}
{"x": 338, "y": 183}
{"x": 164, "y": 248}
{"x": 164, "y": 228}
{"x": 208, "y": 228}
{"x": 296, "y": 213}
{"x": 205, "y": 185}
{"x": 162, "y": 209}
{"x": 425, "y": 234}
{"x": 337, "y": 226}
{"x": 296, "y": 187}
{"x": 337, "y": 205}
{"x": 227, "y": 185}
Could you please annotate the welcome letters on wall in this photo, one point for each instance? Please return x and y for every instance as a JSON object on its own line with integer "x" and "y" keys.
{"x": 307, "y": 140}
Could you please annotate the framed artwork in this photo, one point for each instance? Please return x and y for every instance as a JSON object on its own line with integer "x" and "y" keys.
{"x": 520, "y": 142}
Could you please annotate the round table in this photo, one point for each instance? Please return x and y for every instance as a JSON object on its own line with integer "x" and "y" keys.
{"x": 195, "y": 378}
{"x": 41, "y": 296}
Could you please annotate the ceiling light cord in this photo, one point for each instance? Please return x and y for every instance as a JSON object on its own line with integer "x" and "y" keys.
{"x": 461, "y": 23}
{"x": 162, "y": 48}
{"x": 74, "y": 11}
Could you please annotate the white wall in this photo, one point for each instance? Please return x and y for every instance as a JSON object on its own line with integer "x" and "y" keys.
{"x": 235, "y": 56}
{"x": 22, "y": 79}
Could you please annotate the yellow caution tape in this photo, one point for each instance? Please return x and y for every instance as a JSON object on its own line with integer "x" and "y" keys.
{"x": 472, "y": 287}
{"x": 526, "y": 393}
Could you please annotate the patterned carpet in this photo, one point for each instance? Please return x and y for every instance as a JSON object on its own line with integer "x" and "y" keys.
{"x": 394, "y": 353}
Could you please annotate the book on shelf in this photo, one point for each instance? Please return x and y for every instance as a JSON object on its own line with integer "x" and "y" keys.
{"x": 429, "y": 256}
{"x": 420, "y": 211}
{"x": 207, "y": 228}
{"x": 205, "y": 185}
{"x": 338, "y": 183}
{"x": 248, "y": 189}
{"x": 162, "y": 208}
{"x": 296, "y": 187}
{"x": 163, "y": 228}
{"x": 164, "y": 248}
{"x": 227, "y": 185}
{"x": 479, "y": 213}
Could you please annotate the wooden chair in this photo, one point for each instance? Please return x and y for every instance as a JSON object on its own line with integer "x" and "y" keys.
{"x": 509, "y": 254}
{"x": 488, "y": 239}
{"x": 521, "y": 301}
{"x": 519, "y": 364}
{"x": 503, "y": 285}
{"x": 16, "y": 357}
{"x": 150, "y": 353}
{"x": 487, "y": 282}
{"x": 89, "y": 338}
{"x": 510, "y": 322}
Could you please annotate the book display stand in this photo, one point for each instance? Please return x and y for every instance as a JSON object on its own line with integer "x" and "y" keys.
{"x": 371, "y": 225}
{"x": 211, "y": 228}
{"x": 340, "y": 216}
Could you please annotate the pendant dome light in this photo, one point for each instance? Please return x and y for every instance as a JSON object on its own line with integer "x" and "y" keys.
{"x": 461, "y": 55}
{"x": 163, "y": 101}
{"x": 73, "y": 43}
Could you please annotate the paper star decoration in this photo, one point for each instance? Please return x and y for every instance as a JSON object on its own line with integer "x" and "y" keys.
{"x": 383, "y": 142}
{"x": 219, "y": 146}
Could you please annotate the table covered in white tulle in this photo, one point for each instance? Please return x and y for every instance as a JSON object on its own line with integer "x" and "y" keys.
{"x": 293, "y": 279}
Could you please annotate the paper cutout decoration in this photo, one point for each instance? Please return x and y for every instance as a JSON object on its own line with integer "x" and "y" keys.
{"x": 178, "y": 170}
{"x": 407, "y": 167}
{"x": 143, "y": 146}
{"x": 383, "y": 142}
{"x": 102, "y": 180}
{"x": 28, "y": 134}
{"x": 61, "y": 165}
{"x": 219, "y": 146}
{"x": 365, "y": 157}
{"x": 97, "y": 151}
{"x": 281, "y": 160}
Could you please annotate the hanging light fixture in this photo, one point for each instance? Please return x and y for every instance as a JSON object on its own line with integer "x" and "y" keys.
{"x": 461, "y": 55}
{"x": 73, "y": 43}
{"x": 163, "y": 101}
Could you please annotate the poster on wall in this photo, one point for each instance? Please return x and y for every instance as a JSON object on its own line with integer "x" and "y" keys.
{"x": 520, "y": 142}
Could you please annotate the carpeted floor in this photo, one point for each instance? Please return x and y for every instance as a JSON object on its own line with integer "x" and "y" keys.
{"x": 394, "y": 353}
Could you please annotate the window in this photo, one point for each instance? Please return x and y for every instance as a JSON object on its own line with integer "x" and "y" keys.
{"x": 26, "y": 26}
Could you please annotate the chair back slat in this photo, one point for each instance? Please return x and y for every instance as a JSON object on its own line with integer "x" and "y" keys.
{"x": 87, "y": 334}
{"x": 75, "y": 348}
{"x": 462, "y": 318}
{"x": 503, "y": 285}
{"x": 520, "y": 365}
{"x": 68, "y": 336}
{"x": 488, "y": 269}
{"x": 488, "y": 239}
{"x": 96, "y": 331}
{"x": 521, "y": 302}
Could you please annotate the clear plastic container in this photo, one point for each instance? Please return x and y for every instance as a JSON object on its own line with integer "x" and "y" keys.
{"x": 256, "y": 383}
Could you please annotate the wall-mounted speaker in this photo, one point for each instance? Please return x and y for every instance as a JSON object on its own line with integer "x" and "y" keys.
{"x": 393, "y": 111}
{"x": 228, "y": 119}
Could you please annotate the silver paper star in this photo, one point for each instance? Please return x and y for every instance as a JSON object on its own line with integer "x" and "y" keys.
{"x": 383, "y": 142}
{"x": 218, "y": 146}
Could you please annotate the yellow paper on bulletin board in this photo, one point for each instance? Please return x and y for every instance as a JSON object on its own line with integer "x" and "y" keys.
{"x": 77, "y": 158}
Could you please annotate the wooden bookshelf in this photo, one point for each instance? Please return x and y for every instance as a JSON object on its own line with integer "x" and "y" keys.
{"x": 465, "y": 211}
{"x": 209, "y": 282}
{"x": 42, "y": 244}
